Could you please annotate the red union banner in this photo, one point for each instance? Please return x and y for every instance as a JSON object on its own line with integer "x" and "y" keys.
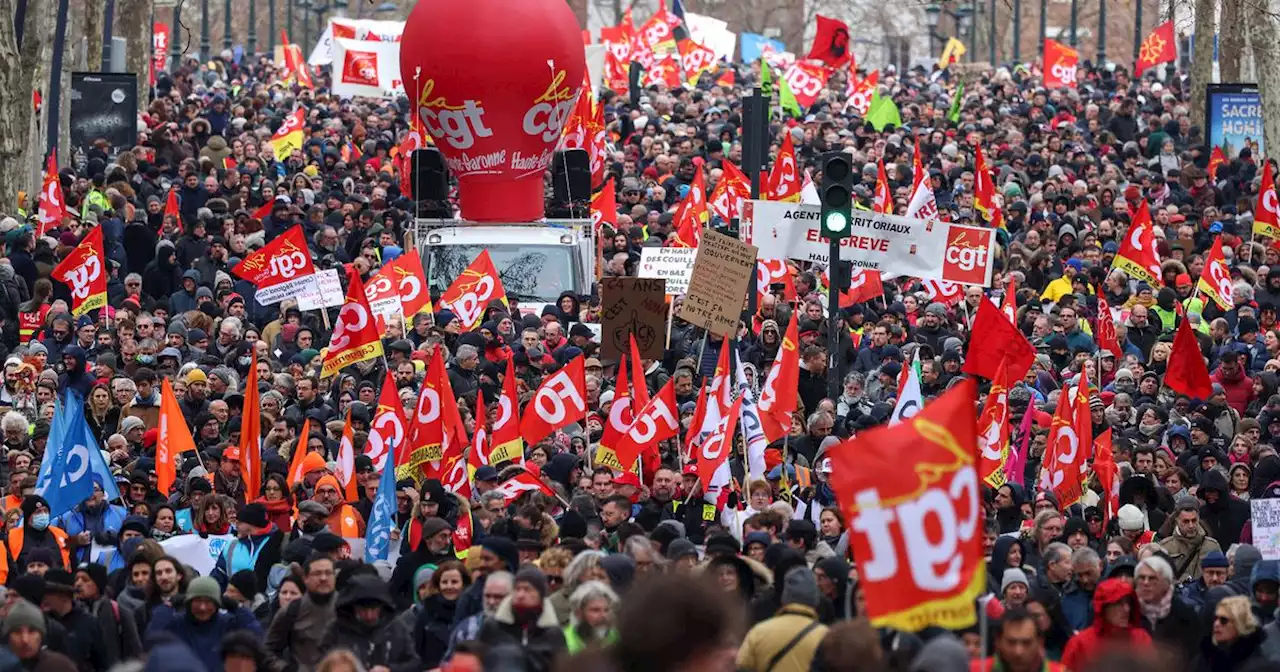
{"x": 916, "y": 528}
{"x": 355, "y": 336}
{"x": 1059, "y": 65}
{"x": 85, "y": 272}
{"x": 280, "y": 269}
{"x": 807, "y": 80}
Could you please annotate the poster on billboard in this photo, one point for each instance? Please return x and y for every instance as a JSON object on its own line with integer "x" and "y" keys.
{"x": 1233, "y": 114}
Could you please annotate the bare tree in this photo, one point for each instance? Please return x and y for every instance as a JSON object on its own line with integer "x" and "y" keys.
{"x": 1202, "y": 61}
{"x": 1262, "y": 20}
{"x": 1231, "y": 41}
{"x": 94, "y": 15}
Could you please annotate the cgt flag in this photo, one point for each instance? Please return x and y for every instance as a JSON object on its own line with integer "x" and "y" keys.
{"x": 1266, "y": 214}
{"x": 1137, "y": 255}
{"x": 84, "y": 271}
{"x": 993, "y": 432}
{"x": 355, "y": 337}
{"x": 289, "y": 136}
{"x": 470, "y": 294}
{"x": 913, "y": 498}
{"x": 780, "y": 393}
{"x": 1215, "y": 279}
{"x": 784, "y": 179}
{"x": 281, "y": 269}
{"x": 505, "y": 442}
{"x": 1059, "y": 65}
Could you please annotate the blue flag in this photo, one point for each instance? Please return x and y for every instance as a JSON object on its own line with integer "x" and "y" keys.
{"x": 377, "y": 537}
{"x": 57, "y": 429}
{"x": 75, "y": 461}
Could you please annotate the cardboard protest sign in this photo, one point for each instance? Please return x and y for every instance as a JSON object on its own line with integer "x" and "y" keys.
{"x": 718, "y": 286}
{"x": 633, "y": 306}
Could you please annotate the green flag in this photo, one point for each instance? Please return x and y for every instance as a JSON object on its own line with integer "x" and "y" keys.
{"x": 766, "y": 80}
{"x": 883, "y": 111}
{"x": 787, "y": 99}
{"x": 954, "y": 113}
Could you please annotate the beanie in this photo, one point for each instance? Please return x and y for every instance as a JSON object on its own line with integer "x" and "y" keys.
{"x": 97, "y": 574}
{"x": 23, "y": 613}
{"x": 801, "y": 587}
{"x": 246, "y": 582}
{"x": 534, "y": 578}
{"x": 204, "y": 586}
{"x": 1011, "y": 576}
{"x": 254, "y": 514}
{"x": 1131, "y": 518}
{"x": 1214, "y": 559}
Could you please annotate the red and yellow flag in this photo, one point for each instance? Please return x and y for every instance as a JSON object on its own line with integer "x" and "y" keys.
{"x": 84, "y": 270}
{"x": 1159, "y": 47}
{"x": 471, "y": 292}
{"x": 1137, "y": 255}
{"x": 355, "y": 336}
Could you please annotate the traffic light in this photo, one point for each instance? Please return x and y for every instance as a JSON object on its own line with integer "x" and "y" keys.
{"x": 836, "y": 193}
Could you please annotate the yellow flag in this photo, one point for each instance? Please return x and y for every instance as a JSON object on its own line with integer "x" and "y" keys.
{"x": 951, "y": 53}
{"x": 289, "y": 136}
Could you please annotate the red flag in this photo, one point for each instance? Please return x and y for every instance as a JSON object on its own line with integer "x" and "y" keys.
{"x": 522, "y": 482}
{"x": 294, "y": 64}
{"x": 665, "y": 71}
{"x": 1216, "y": 159}
{"x": 784, "y": 179}
{"x": 637, "y": 374}
{"x": 1069, "y": 438}
{"x": 994, "y": 339}
{"x": 727, "y": 79}
{"x": 471, "y": 292}
{"x": 559, "y": 401}
{"x": 695, "y": 59}
{"x": 884, "y": 197}
{"x": 1104, "y": 465}
{"x": 1137, "y": 255}
{"x": 505, "y": 441}
{"x": 616, "y": 77}
{"x": 411, "y": 284}
{"x": 1059, "y": 65}
{"x": 864, "y": 285}
{"x": 771, "y": 271}
{"x": 1107, "y": 339}
{"x": 355, "y": 336}
{"x": 265, "y": 211}
{"x": 807, "y": 81}
{"x": 1266, "y": 214}
{"x": 250, "y": 448}
{"x": 691, "y": 216}
{"x": 1158, "y": 47}
{"x": 52, "y": 207}
{"x": 730, "y": 192}
{"x": 426, "y": 431}
{"x": 657, "y": 421}
{"x": 860, "y": 92}
{"x": 716, "y": 448}
{"x": 280, "y": 269}
{"x": 781, "y": 390}
{"x": 621, "y": 413}
{"x": 913, "y": 489}
{"x": 984, "y": 190}
{"x": 84, "y": 270}
{"x": 299, "y": 456}
{"x": 1186, "y": 372}
{"x": 1009, "y": 305}
{"x": 389, "y": 428}
{"x": 993, "y": 431}
{"x": 1215, "y": 279}
{"x": 345, "y": 470}
{"x": 831, "y": 42}
{"x": 604, "y": 207}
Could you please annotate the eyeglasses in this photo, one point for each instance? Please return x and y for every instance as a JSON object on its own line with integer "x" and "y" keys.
{"x": 1222, "y": 620}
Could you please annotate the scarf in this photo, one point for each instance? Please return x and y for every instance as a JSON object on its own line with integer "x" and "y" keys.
{"x": 1159, "y": 610}
{"x": 161, "y": 536}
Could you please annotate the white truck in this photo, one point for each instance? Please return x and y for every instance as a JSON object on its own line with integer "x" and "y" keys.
{"x": 537, "y": 261}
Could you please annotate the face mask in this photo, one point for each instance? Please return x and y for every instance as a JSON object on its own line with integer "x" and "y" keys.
{"x": 245, "y": 361}
{"x": 147, "y": 359}
{"x": 40, "y": 521}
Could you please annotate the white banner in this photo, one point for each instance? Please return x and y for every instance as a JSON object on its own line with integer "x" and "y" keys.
{"x": 326, "y": 293}
{"x": 1266, "y": 527}
{"x": 365, "y": 30}
{"x": 712, "y": 33}
{"x": 197, "y": 552}
{"x": 366, "y": 69}
{"x": 673, "y": 264}
{"x": 886, "y": 243}
{"x": 595, "y": 65}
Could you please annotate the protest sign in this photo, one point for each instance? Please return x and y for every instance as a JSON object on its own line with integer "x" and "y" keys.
{"x": 1266, "y": 527}
{"x": 326, "y": 293}
{"x": 633, "y": 306}
{"x": 718, "y": 286}
{"x": 926, "y": 249}
{"x": 673, "y": 264}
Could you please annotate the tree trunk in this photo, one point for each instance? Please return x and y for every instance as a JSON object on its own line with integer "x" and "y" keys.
{"x": 1267, "y": 57}
{"x": 1202, "y": 62}
{"x": 134, "y": 20}
{"x": 13, "y": 132}
{"x": 94, "y": 15}
{"x": 1230, "y": 42}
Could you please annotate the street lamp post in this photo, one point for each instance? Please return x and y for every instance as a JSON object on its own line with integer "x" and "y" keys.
{"x": 1102, "y": 32}
{"x": 1044, "y": 24}
{"x": 1137, "y": 28}
{"x": 226, "y": 25}
{"x": 1075, "y": 6}
{"x": 1017, "y": 31}
{"x": 964, "y": 25}
{"x": 204, "y": 31}
{"x": 991, "y": 37}
{"x": 253, "y": 31}
{"x": 932, "y": 12}
{"x": 175, "y": 56}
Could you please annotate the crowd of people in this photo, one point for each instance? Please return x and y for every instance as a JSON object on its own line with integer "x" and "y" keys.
{"x": 621, "y": 571}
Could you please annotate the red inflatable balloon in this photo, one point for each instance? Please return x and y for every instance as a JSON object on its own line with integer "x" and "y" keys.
{"x": 494, "y": 82}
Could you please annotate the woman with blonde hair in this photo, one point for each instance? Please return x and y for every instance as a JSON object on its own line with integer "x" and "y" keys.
{"x": 1235, "y": 643}
{"x": 340, "y": 660}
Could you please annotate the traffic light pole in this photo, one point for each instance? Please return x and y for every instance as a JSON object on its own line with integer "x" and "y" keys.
{"x": 833, "y": 322}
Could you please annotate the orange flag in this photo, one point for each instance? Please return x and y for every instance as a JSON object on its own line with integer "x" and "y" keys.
{"x": 171, "y": 208}
{"x": 173, "y": 441}
{"x": 299, "y": 454}
{"x": 251, "y": 434}
{"x": 1216, "y": 159}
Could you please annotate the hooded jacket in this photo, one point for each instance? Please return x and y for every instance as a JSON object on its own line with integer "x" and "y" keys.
{"x": 1085, "y": 646}
{"x": 385, "y": 643}
{"x": 205, "y": 639}
{"x": 1226, "y": 517}
{"x": 541, "y": 640}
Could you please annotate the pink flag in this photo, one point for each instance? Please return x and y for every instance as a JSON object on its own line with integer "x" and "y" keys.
{"x": 1017, "y": 463}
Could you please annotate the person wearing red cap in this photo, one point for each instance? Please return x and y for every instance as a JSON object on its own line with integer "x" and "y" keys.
{"x": 226, "y": 481}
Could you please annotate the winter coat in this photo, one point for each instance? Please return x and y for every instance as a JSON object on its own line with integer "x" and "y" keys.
{"x": 1181, "y": 629}
{"x": 296, "y": 632}
{"x": 385, "y": 643}
{"x": 431, "y": 629}
{"x": 119, "y": 629}
{"x": 1226, "y": 517}
{"x": 541, "y": 640}
{"x": 1185, "y": 553}
{"x": 205, "y": 639}
{"x": 1245, "y": 654}
{"x": 1085, "y": 645}
{"x": 770, "y": 637}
